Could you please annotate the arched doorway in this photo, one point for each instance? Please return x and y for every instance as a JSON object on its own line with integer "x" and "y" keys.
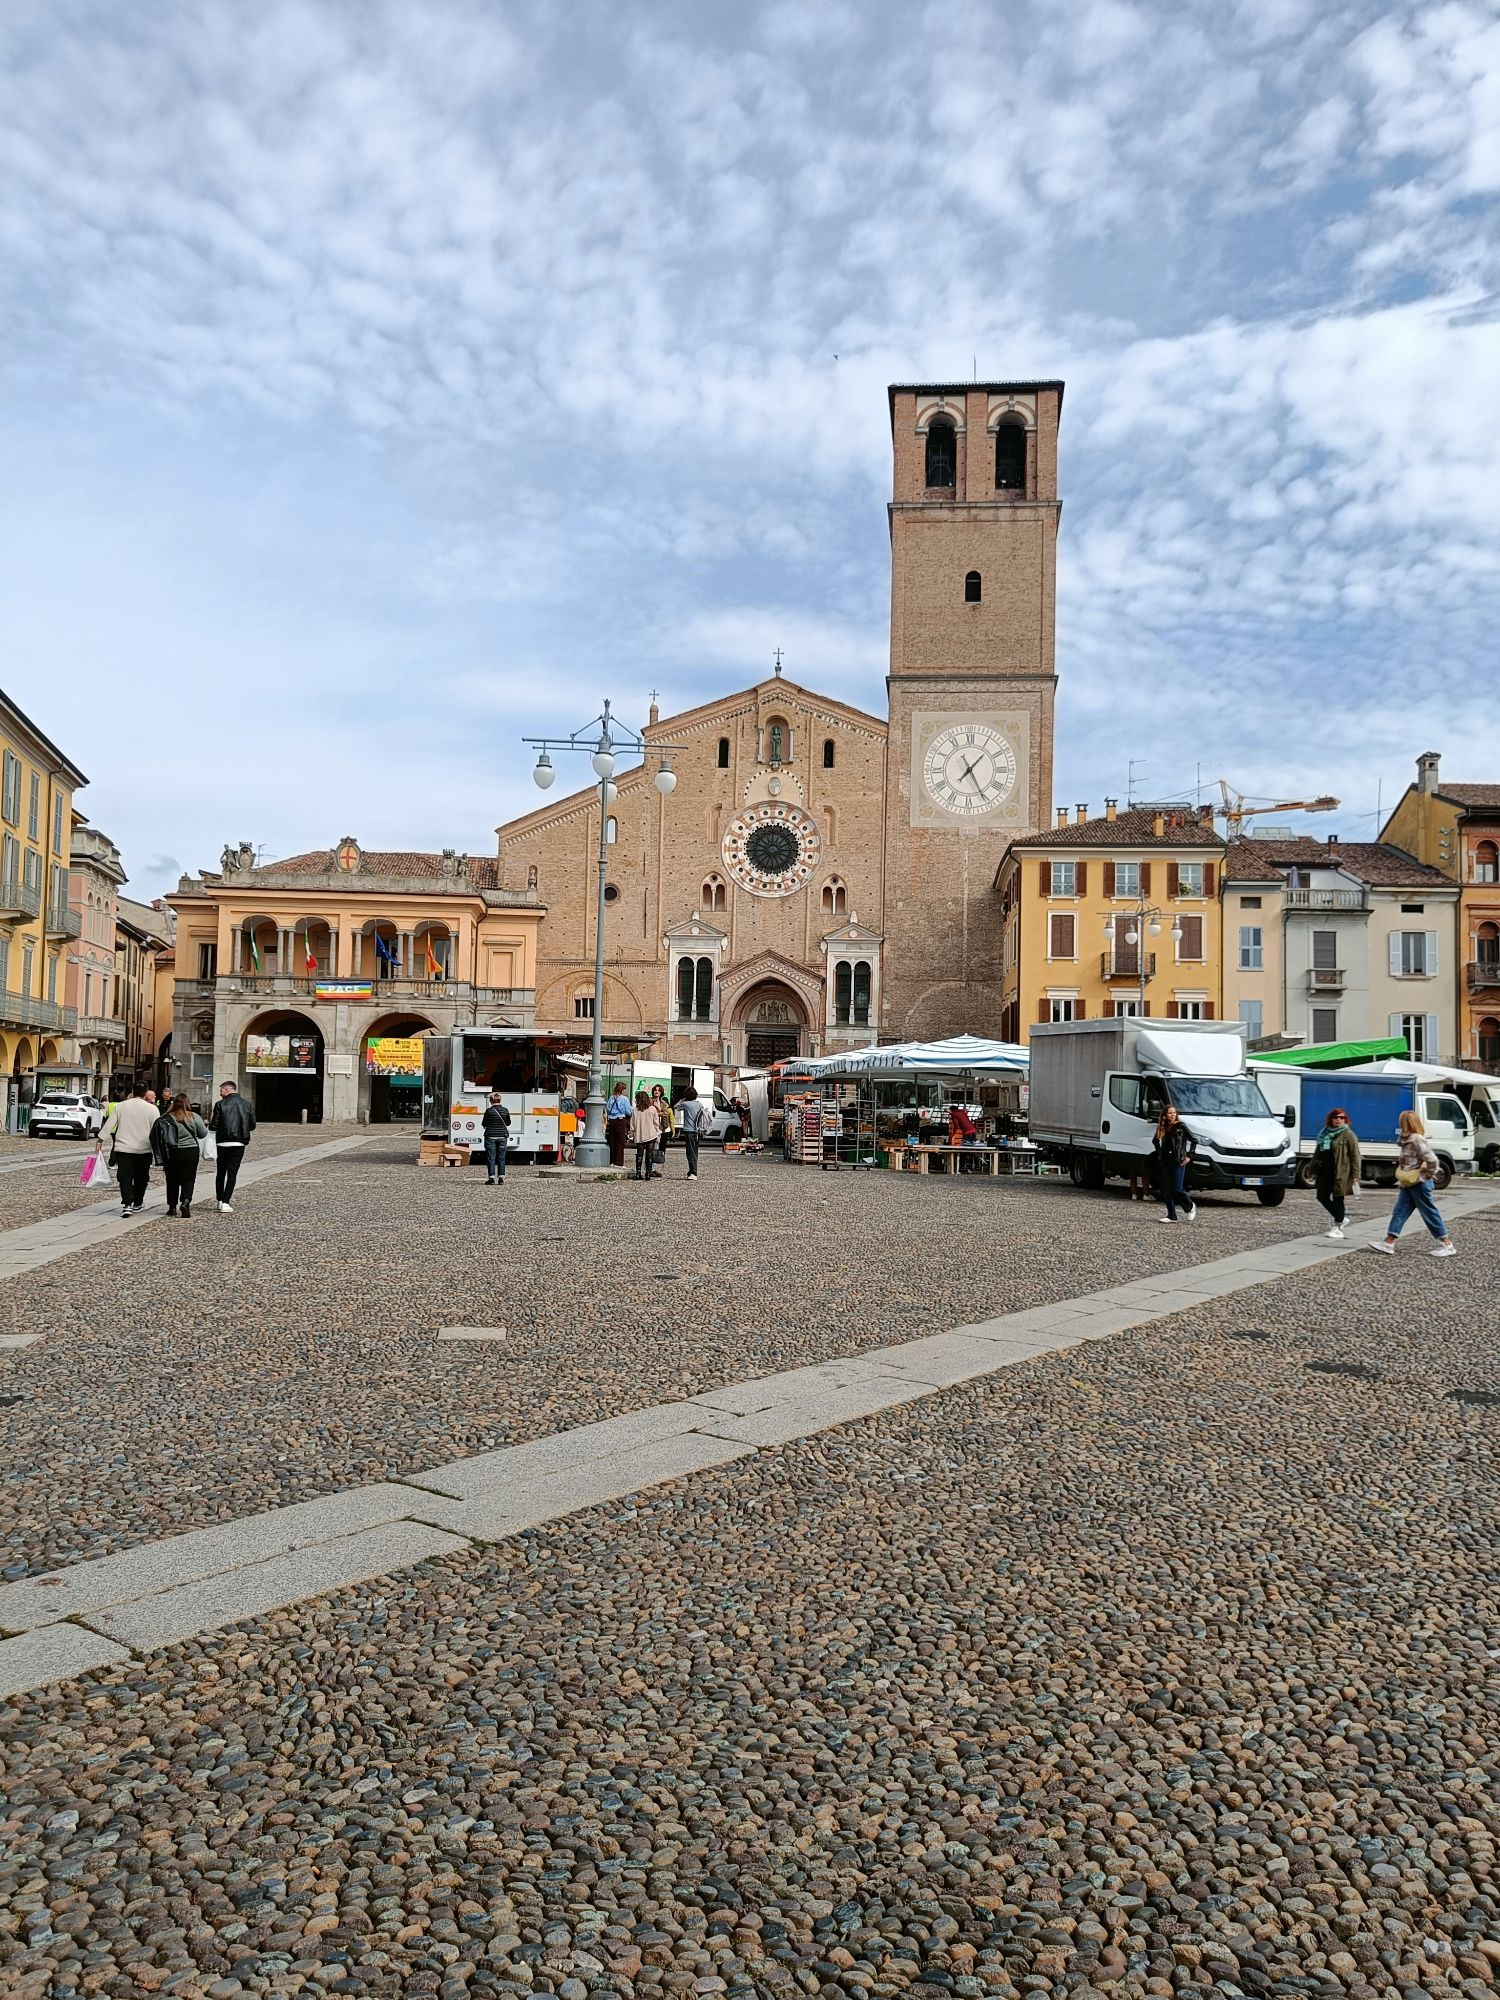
{"x": 390, "y": 1085}
{"x": 773, "y": 1021}
{"x": 283, "y": 1059}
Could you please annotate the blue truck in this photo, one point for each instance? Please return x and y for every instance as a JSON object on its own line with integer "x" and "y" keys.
{"x": 1374, "y": 1104}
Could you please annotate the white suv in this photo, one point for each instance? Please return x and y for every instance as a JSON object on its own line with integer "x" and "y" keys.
{"x": 67, "y": 1114}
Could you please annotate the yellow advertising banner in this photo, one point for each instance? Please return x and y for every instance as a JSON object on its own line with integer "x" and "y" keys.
{"x": 394, "y": 1055}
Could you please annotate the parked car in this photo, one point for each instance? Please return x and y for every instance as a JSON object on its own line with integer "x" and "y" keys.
{"x": 64, "y": 1114}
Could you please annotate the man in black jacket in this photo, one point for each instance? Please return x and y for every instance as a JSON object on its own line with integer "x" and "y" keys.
{"x": 231, "y": 1121}
{"x": 496, "y": 1138}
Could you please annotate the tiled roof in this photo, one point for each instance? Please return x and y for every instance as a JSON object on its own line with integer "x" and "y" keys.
{"x": 1471, "y": 795}
{"x": 1372, "y": 861}
{"x": 1133, "y": 828}
{"x": 484, "y": 870}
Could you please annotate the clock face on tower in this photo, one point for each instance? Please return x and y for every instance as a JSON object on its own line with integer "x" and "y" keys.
{"x": 969, "y": 768}
{"x": 771, "y": 849}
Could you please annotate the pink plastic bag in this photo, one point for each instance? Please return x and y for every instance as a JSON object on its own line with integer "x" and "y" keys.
{"x": 94, "y": 1170}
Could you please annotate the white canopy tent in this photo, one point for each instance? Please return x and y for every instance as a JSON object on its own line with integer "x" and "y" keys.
{"x": 960, "y": 1055}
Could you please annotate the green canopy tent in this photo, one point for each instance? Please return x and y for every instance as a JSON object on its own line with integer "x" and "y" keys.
{"x": 1333, "y": 1055}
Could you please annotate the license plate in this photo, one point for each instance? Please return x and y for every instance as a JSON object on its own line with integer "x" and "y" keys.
{"x": 1252, "y": 1180}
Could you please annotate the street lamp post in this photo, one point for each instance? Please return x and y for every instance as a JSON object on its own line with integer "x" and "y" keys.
{"x": 601, "y": 740}
{"x": 1145, "y": 917}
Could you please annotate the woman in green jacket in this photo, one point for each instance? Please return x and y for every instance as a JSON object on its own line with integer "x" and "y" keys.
{"x": 1336, "y": 1167}
{"x": 177, "y": 1142}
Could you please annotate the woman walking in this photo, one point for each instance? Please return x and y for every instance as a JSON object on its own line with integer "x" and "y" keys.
{"x": 1336, "y": 1168}
{"x": 645, "y": 1133}
{"x": 1415, "y": 1169}
{"x": 1175, "y": 1147}
{"x": 177, "y": 1142}
{"x": 667, "y": 1123}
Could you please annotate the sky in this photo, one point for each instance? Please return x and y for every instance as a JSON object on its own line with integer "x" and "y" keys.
{"x": 382, "y": 381}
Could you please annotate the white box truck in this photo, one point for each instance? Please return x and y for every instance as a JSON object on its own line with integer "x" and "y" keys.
{"x": 1374, "y": 1096}
{"x": 1099, "y": 1087}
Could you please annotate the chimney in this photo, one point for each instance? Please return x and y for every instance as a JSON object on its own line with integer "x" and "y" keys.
{"x": 1427, "y": 771}
{"x": 1158, "y": 826}
{"x": 1333, "y": 840}
{"x": 1062, "y": 816}
{"x": 1081, "y": 817}
{"x": 1111, "y": 808}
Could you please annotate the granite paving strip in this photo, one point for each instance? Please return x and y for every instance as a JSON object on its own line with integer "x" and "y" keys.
{"x": 54, "y": 1653}
{"x": 188, "y": 1584}
{"x": 40, "y": 1243}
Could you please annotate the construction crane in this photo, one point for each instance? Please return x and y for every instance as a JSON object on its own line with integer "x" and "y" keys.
{"x": 1234, "y": 811}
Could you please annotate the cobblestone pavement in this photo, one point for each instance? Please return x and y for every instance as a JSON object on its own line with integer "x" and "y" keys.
{"x": 218, "y": 1367}
{"x": 51, "y": 1186}
{"x": 1165, "y": 1665}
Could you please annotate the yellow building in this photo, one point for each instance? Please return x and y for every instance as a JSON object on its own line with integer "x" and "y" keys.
{"x": 330, "y": 950}
{"x": 1118, "y": 915}
{"x": 37, "y": 783}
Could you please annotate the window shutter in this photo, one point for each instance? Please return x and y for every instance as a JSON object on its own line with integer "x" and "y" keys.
{"x": 1171, "y": 878}
{"x": 1081, "y": 878}
{"x": 1208, "y": 878}
{"x": 1145, "y": 878}
{"x": 1145, "y": 1007}
{"x": 1208, "y": 1010}
{"x": 1396, "y": 962}
{"x": 1109, "y": 878}
{"x": 1078, "y": 1010}
{"x": 1044, "y": 1009}
{"x": 1432, "y": 954}
{"x": 1045, "y": 882}
{"x": 1434, "y": 1032}
{"x": 1395, "y": 1025}
{"x": 1171, "y": 1010}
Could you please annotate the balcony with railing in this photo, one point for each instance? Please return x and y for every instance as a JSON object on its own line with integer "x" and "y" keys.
{"x": 305, "y": 986}
{"x": 1325, "y": 979}
{"x": 1327, "y": 899}
{"x": 19, "y": 1010}
{"x": 100, "y": 1028}
{"x": 1127, "y": 964}
{"x": 19, "y": 901}
{"x": 1483, "y": 975}
{"x": 63, "y": 922}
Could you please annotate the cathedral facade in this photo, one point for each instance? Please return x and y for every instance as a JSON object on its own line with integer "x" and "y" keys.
{"x": 822, "y": 877}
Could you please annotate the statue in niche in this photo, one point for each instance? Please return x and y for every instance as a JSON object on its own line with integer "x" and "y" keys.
{"x": 775, "y": 742}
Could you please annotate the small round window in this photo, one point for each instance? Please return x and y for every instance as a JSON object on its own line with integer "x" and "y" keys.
{"x": 611, "y": 892}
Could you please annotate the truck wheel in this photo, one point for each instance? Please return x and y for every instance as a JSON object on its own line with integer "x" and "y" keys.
{"x": 1489, "y": 1160}
{"x": 1444, "y": 1173}
{"x": 1307, "y": 1174}
{"x": 1075, "y": 1170}
{"x": 1270, "y": 1197}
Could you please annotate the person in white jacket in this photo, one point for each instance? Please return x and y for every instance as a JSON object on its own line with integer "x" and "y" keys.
{"x": 129, "y": 1128}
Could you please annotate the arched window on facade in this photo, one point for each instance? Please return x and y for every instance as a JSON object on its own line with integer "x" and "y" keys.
{"x": 1487, "y": 945}
{"x": 611, "y": 829}
{"x": 778, "y": 740}
{"x": 723, "y": 753}
{"x": 695, "y": 989}
{"x": 973, "y": 587}
{"x": 1010, "y": 459}
{"x": 827, "y": 753}
{"x": 942, "y": 453}
{"x": 1489, "y": 1042}
{"x": 835, "y": 897}
{"x": 1487, "y": 862}
{"x": 714, "y": 893}
{"x": 851, "y": 993}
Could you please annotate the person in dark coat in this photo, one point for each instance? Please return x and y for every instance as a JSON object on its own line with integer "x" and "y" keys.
{"x": 1336, "y": 1168}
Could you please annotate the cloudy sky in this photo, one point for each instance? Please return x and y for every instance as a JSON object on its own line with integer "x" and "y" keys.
{"x": 382, "y": 382}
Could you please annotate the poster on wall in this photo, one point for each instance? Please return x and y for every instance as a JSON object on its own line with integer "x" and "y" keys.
{"x": 282, "y": 1055}
{"x": 394, "y": 1055}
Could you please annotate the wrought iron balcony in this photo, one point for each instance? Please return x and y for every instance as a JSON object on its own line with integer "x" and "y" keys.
{"x": 1325, "y": 979}
{"x": 63, "y": 921}
{"x": 1483, "y": 974}
{"x": 19, "y": 901}
{"x": 1127, "y": 964}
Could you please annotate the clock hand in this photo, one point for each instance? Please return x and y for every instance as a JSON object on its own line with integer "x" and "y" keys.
{"x": 969, "y": 773}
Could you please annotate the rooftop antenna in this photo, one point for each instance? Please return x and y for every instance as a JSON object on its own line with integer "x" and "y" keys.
{"x": 1130, "y": 781}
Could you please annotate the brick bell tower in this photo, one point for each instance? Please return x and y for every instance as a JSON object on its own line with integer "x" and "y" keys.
{"x": 973, "y": 520}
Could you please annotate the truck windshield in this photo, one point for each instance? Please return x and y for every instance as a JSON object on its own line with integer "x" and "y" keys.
{"x": 1218, "y": 1096}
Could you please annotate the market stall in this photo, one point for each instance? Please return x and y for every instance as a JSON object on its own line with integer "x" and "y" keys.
{"x": 893, "y": 1105}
